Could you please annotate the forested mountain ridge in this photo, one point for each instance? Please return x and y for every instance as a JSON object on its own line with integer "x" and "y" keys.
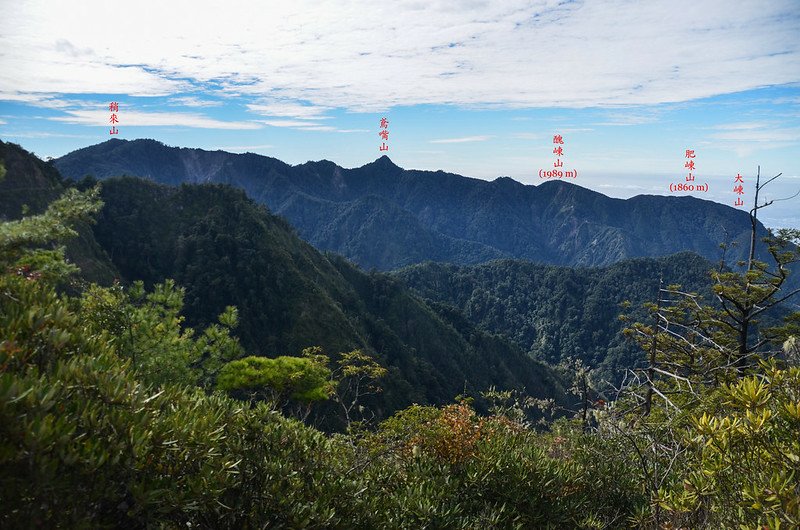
{"x": 27, "y": 186}
{"x": 226, "y": 250}
{"x": 555, "y": 312}
{"x": 382, "y": 216}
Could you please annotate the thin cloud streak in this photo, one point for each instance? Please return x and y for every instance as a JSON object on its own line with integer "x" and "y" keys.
{"x": 290, "y": 110}
{"x": 193, "y": 101}
{"x": 152, "y": 119}
{"x": 742, "y": 126}
{"x": 461, "y": 140}
{"x": 287, "y": 123}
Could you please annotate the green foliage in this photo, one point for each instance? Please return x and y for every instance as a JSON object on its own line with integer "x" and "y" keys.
{"x": 746, "y": 298}
{"x": 108, "y": 417}
{"x": 148, "y": 329}
{"x": 357, "y": 363}
{"x": 19, "y": 240}
{"x": 224, "y": 250}
{"x": 743, "y": 464}
{"x": 297, "y": 378}
{"x": 355, "y": 378}
{"x": 27, "y": 184}
{"x": 84, "y": 442}
{"x": 29, "y": 187}
{"x": 66, "y": 399}
{"x": 37, "y": 328}
{"x": 555, "y": 313}
{"x": 719, "y": 447}
{"x": 518, "y": 407}
{"x": 455, "y": 469}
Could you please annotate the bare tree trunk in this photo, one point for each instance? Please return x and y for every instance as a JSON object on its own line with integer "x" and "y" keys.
{"x": 753, "y": 222}
{"x": 741, "y": 362}
{"x": 651, "y": 372}
{"x": 585, "y": 395}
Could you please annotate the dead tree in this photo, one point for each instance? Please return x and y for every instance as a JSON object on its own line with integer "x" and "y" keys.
{"x": 692, "y": 344}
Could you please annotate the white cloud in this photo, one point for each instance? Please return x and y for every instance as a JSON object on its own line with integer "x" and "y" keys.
{"x": 32, "y": 67}
{"x": 528, "y": 136}
{"x": 304, "y": 125}
{"x": 366, "y": 56}
{"x": 745, "y": 138}
{"x": 2, "y": 122}
{"x": 786, "y": 100}
{"x": 742, "y": 126}
{"x": 461, "y": 140}
{"x": 141, "y": 119}
{"x": 293, "y": 115}
{"x": 764, "y": 135}
{"x": 289, "y": 110}
{"x": 287, "y": 123}
{"x": 630, "y": 117}
{"x": 193, "y": 101}
{"x": 22, "y": 97}
{"x": 41, "y": 134}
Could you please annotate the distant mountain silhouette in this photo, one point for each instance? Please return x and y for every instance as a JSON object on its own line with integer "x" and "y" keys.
{"x": 383, "y": 216}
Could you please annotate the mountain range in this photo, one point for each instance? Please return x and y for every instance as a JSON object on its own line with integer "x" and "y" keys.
{"x": 224, "y": 249}
{"x": 385, "y": 217}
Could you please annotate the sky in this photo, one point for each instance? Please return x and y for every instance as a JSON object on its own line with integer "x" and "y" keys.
{"x": 478, "y": 88}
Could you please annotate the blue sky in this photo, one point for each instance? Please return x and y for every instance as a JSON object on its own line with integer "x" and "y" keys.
{"x": 477, "y": 88}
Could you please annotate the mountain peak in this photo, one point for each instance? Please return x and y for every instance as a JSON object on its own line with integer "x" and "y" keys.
{"x": 458, "y": 219}
{"x": 384, "y": 162}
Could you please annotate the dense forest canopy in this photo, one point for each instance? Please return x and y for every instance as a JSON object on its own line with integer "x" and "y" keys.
{"x": 556, "y": 313}
{"x": 226, "y": 250}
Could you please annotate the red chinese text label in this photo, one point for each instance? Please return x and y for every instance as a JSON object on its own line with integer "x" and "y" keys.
{"x": 691, "y": 166}
{"x": 113, "y": 107}
{"x": 384, "y": 134}
{"x": 556, "y": 172}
